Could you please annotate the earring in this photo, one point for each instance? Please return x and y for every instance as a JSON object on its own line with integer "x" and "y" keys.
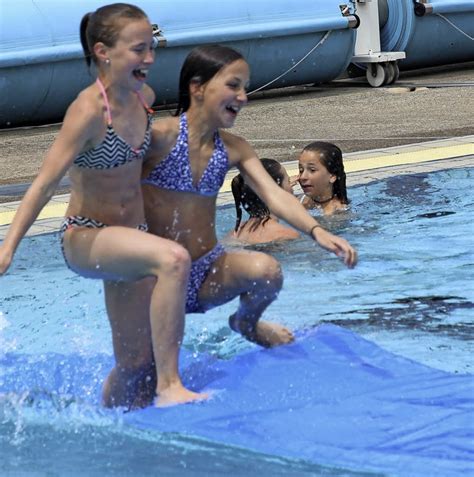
{"x": 107, "y": 61}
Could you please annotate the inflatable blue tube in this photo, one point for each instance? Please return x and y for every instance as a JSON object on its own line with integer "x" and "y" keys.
{"x": 448, "y": 6}
{"x": 441, "y": 37}
{"x": 42, "y": 67}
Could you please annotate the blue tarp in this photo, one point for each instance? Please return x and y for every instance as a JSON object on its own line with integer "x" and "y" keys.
{"x": 332, "y": 398}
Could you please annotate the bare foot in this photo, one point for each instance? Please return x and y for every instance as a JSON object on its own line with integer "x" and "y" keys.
{"x": 264, "y": 333}
{"x": 178, "y": 394}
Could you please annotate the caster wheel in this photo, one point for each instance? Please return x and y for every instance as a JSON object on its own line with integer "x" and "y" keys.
{"x": 389, "y": 72}
{"x": 397, "y": 72}
{"x": 376, "y": 75}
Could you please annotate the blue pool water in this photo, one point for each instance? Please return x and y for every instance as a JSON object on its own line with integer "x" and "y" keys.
{"x": 411, "y": 294}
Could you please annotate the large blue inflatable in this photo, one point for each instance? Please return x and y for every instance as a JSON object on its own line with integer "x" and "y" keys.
{"x": 286, "y": 43}
{"x": 438, "y": 32}
{"x": 42, "y": 67}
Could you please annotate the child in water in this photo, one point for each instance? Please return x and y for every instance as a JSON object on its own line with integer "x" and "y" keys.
{"x": 262, "y": 226}
{"x": 322, "y": 178}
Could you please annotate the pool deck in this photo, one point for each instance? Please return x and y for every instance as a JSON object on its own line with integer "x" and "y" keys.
{"x": 361, "y": 167}
{"x": 423, "y": 123}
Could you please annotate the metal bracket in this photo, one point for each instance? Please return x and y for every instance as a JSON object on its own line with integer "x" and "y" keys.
{"x": 354, "y": 20}
{"x": 422, "y": 7}
{"x": 159, "y": 41}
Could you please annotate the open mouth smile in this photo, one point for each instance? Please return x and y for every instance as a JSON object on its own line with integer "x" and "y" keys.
{"x": 140, "y": 73}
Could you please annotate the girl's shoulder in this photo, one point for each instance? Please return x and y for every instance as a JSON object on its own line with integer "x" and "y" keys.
{"x": 86, "y": 114}
{"x": 336, "y": 207}
{"x": 305, "y": 201}
{"x": 270, "y": 231}
{"x": 231, "y": 139}
{"x": 166, "y": 125}
{"x": 165, "y": 131}
{"x": 237, "y": 147}
{"x": 148, "y": 95}
{"x": 280, "y": 232}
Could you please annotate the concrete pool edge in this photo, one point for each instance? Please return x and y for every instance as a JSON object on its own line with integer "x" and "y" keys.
{"x": 361, "y": 167}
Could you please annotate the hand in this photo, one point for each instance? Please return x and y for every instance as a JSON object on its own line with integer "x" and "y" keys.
{"x": 5, "y": 259}
{"x": 336, "y": 245}
{"x": 294, "y": 180}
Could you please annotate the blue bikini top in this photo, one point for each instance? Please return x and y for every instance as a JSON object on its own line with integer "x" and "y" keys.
{"x": 174, "y": 172}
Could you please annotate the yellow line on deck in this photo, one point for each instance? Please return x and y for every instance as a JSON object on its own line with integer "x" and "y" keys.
{"x": 390, "y": 160}
{"x": 55, "y": 209}
{"x": 413, "y": 157}
{"x": 52, "y": 210}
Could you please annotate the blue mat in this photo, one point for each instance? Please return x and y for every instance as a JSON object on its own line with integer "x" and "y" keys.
{"x": 331, "y": 398}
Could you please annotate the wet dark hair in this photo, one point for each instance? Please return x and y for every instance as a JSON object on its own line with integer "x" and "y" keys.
{"x": 245, "y": 197}
{"x": 331, "y": 158}
{"x": 201, "y": 65}
{"x": 104, "y": 26}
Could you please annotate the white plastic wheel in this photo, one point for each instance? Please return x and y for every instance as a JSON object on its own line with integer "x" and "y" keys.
{"x": 376, "y": 74}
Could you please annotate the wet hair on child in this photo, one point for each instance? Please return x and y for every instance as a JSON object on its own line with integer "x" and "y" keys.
{"x": 200, "y": 66}
{"x": 331, "y": 158}
{"x": 246, "y": 198}
{"x": 104, "y": 26}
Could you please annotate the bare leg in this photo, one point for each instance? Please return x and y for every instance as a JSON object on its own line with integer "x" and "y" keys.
{"x": 135, "y": 255}
{"x": 132, "y": 382}
{"x": 167, "y": 336}
{"x": 257, "y": 279}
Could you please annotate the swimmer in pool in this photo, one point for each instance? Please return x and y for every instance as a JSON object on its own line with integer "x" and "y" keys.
{"x": 322, "y": 178}
{"x": 190, "y": 156}
{"x": 262, "y": 226}
{"x": 103, "y": 140}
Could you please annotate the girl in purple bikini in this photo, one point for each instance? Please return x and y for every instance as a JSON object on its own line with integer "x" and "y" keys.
{"x": 186, "y": 166}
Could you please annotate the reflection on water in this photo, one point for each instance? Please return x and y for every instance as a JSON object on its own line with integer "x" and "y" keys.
{"x": 97, "y": 449}
{"x": 425, "y": 313}
{"x": 434, "y": 215}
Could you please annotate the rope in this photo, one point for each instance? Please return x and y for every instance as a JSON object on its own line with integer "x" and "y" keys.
{"x": 455, "y": 27}
{"x": 345, "y": 138}
{"x": 320, "y": 42}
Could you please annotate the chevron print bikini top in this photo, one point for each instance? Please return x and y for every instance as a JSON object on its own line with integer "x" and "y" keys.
{"x": 114, "y": 151}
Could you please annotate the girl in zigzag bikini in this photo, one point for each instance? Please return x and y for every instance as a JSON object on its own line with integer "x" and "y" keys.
{"x": 104, "y": 137}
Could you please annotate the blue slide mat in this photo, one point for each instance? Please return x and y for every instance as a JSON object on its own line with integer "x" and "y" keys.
{"x": 332, "y": 398}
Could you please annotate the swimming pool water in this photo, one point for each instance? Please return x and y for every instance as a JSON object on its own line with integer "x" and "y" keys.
{"x": 411, "y": 293}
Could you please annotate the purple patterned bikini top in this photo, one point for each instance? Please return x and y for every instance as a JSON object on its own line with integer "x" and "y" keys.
{"x": 174, "y": 172}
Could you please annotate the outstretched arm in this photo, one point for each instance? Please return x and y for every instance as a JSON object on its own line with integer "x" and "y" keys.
{"x": 287, "y": 207}
{"x": 69, "y": 142}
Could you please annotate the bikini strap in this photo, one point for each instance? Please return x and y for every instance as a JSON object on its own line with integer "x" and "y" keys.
{"x": 106, "y": 101}
{"x": 144, "y": 103}
{"x": 183, "y": 126}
